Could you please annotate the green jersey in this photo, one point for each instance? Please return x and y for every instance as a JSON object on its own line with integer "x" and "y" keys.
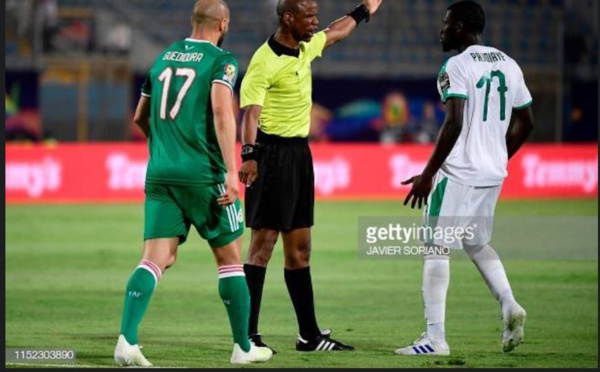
{"x": 183, "y": 142}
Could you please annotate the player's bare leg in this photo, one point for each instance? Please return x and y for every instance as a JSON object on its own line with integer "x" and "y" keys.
{"x": 262, "y": 243}
{"x": 234, "y": 293}
{"x": 297, "y": 248}
{"x": 162, "y": 251}
{"x": 157, "y": 256}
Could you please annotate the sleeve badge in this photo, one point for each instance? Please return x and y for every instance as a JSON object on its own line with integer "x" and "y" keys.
{"x": 444, "y": 81}
{"x": 230, "y": 74}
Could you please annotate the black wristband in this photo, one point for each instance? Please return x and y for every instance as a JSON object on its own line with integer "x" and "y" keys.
{"x": 248, "y": 153}
{"x": 360, "y": 13}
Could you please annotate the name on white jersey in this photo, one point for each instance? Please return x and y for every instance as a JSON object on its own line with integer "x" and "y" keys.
{"x": 488, "y": 57}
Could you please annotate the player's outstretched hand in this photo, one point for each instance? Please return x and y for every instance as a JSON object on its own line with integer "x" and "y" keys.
{"x": 372, "y": 5}
{"x": 232, "y": 190}
{"x": 249, "y": 172}
{"x": 421, "y": 187}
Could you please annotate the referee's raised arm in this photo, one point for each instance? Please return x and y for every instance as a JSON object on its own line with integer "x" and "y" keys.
{"x": 343, "y": 27}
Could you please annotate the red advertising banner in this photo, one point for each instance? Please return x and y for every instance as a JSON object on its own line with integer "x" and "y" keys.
{"x": 73, "y": 173}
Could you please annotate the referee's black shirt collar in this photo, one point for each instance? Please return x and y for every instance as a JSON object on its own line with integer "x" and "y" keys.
{"x": 281, "y": 49}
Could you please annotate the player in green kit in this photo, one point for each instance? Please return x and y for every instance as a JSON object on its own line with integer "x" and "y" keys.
{"x": 186, "y": 111}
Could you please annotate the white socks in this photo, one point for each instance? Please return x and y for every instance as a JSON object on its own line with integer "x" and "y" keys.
{"x": 489, "y": 265}
{"x": 436, "y": 277}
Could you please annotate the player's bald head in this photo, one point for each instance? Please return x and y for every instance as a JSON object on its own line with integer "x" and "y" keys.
{"x": 291, "y": 6}
{"x": 210, "y": 11}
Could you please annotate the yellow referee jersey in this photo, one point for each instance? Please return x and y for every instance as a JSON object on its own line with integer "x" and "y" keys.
{"x": 279, "y": 79}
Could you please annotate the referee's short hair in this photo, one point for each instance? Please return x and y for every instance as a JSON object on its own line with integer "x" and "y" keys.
{"x": 288, "y": 6}
{"x": 282, "y": 7}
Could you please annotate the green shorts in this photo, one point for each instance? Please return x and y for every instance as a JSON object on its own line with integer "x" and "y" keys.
{"x": 169, "y": 211}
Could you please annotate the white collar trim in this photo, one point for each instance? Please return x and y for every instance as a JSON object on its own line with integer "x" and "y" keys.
{"x": 198, "y": 41}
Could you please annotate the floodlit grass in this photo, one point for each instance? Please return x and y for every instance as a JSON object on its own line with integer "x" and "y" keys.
{"x": 67, "y": 266}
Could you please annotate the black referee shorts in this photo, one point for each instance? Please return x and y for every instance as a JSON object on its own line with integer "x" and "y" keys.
{"x": 283, "y": 196}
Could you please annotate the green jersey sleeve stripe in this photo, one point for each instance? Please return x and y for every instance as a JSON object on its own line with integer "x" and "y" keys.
{"x": 455, "y": 95}
{"x": 523, "y": 106}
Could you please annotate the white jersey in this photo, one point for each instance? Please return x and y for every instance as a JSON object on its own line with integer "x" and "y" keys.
{"x": 493, "y": 85}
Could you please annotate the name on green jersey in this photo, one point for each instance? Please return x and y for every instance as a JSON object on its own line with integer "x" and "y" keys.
{"x": 183, "y": 57}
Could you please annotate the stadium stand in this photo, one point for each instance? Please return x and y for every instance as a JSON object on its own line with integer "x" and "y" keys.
{"x": 406, "y": 45}
{"x": 555, "y": 42}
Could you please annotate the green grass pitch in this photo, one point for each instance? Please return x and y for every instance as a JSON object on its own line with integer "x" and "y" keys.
{"x": 66, "y": 269}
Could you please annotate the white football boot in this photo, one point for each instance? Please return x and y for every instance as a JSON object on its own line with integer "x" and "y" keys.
{"x": 129, "y": 355}
{"x": 514, "y": 317}
{"x": 425, "y": 346}
{"x": 254, "y": 355}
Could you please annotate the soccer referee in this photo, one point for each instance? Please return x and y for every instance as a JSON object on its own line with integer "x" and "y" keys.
{"x": 277, "y": 165}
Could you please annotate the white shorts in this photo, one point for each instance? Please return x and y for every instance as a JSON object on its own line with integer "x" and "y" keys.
{"x": 459, "y": 214}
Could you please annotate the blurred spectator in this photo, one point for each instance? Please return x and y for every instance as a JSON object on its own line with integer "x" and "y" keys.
{"x": 75, "y": 36}
{"x": 23, "y": 126}
{"x": 18, "y": 21}
{"x": 46, "y": 17}
{"x": 394, "y": 127}
{"x": 20, "y": 125}
{"x": 120, "y": 39}
{"x": 320, "y": 116}
{"x": 427, "y": 128}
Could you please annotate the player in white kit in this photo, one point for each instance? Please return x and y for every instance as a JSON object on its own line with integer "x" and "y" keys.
{"x": 488, "y": 118}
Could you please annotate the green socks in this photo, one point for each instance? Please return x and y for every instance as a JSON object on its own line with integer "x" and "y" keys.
{"x": 232, "y": 289}
{"x": 234, "y": 293}
{"x": 137, "y": 297}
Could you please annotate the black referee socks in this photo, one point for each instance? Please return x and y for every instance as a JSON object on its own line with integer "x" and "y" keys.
{"x": 255, "y": 277}
{"x": 299, "y": 284}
